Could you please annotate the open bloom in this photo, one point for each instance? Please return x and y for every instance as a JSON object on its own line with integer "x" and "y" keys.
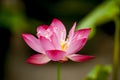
{"x": 51, "y": 43}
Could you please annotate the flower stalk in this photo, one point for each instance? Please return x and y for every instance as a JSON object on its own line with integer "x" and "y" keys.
{"x": 58, "y": 70}
{"x": 116, "y": 49}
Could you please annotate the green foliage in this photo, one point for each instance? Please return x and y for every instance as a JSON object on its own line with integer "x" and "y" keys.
{"x": 103, "y": 13}
{"x": 13, "y": 21}
{"x": 99, "y": 73}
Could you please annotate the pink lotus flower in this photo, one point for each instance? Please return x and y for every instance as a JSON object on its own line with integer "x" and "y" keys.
{"x": 51, "y": 43}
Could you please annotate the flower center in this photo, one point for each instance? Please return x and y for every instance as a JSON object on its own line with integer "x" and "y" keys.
{"x": 64, "y": 45}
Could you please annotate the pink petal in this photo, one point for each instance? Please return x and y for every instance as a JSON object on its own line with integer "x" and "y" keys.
{"x": 76, "y": 45}
{"x": 55, "y": 55}
{"x": 33, "y": 42}
{"x": 44, "y": 31}
{"x": 82, "y": 33}
{"x": 71, "y": 32}
{"x": 58, "y": 27}
{"x": 55, "y": 42}
{"x": 46, "y": 43}
{"x": 38, "y": 59}
{"x": 80, "y": 58}
{"x": 42, "y": 27}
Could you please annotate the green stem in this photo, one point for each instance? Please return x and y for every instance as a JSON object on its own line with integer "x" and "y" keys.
{"x": 58, "y": 71}
{"x": 116, "y": 49}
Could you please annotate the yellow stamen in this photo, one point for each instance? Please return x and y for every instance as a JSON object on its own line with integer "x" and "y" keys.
{"x": 64, "y": 45}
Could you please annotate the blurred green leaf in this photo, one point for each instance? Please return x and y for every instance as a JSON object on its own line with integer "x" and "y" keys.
{"x": 99, "y": 73}
{"x": 12, "y": 21}
{"x": 103, "y": 13}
